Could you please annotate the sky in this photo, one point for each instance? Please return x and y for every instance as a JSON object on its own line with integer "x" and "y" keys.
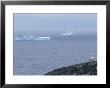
{"x": 56, "y": 23}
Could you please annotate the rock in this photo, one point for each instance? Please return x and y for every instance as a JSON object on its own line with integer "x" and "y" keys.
{"x": 88, "y": 68}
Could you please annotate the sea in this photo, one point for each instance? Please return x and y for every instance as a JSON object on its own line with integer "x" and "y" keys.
{"x": 42, "y": 56}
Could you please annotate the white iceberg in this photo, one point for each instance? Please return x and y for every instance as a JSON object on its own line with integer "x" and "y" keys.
{"x": 19, "y": 37}
{"x": 29, "y": 37}
{"x": 23, "y": 37}
{"x": 67, "y": 34}
{"x": 42, "y": 38}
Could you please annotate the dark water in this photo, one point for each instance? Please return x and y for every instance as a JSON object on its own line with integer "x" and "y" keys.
{"x": 40, "y": 57}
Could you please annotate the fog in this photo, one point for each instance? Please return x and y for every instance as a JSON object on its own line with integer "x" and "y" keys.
{"x": 55, "y": 23}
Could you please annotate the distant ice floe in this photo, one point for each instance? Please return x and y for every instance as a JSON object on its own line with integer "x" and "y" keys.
{"x": 67, "y": 34}
{"x": 19, "y": 37}
{"x": 29, "y": 37}
{"x": 42, "y": 38}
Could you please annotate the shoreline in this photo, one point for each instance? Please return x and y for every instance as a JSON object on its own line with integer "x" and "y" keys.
{"x": 87, "y": 68}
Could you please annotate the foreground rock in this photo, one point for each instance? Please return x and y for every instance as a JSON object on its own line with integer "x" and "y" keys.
{"x": 88, "y": 68}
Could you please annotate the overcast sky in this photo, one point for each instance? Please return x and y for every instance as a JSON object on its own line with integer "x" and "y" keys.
{"x": 56, "y": 23}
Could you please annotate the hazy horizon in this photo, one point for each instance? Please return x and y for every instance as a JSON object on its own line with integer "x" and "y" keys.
{"x": 55, "y": 23}
{"x": 45, "y": 42}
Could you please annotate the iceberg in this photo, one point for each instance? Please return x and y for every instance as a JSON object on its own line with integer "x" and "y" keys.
{"x": 42, "y": 38}
{"x": 29, "y": 37}
{"x": 19, "y": 37}
{"x": 67, "y": 34}
{"x": 23, "y": 37}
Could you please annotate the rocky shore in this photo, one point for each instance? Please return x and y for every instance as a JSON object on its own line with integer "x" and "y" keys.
{"x": 87, "y": 68}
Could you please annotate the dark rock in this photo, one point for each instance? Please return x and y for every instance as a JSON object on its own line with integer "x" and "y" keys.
{"x": 88, "y": 68}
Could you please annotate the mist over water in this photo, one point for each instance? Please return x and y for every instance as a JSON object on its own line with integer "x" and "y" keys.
{"x": 72, "y": 40}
